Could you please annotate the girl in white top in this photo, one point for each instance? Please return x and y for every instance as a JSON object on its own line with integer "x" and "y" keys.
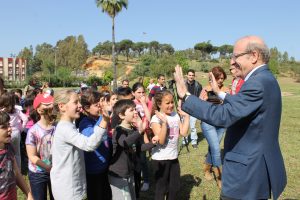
{"x": 166, "y": 124}
{"x": 68, "y": 179}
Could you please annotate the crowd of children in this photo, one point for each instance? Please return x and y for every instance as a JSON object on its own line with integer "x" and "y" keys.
{"x": 90, "y": 144}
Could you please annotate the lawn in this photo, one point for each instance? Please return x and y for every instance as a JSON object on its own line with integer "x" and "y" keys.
{"x": 195, "y": 187}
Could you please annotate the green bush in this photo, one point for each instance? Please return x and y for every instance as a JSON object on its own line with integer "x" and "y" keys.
{"x": 205, "y": 67}
{"x": 14, "y": 84}
{"x": 94, "y": 79}
{"x": 214, "y": 60}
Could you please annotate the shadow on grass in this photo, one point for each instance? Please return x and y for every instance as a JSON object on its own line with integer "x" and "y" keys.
{"x": 200, "y": 137}
{"x": 187, "y": 182}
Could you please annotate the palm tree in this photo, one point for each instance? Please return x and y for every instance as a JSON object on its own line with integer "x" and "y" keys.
{"x": 112, "y": 8}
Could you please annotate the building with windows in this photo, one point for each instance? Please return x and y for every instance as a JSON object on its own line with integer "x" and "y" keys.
{"x": 13, "y": 69}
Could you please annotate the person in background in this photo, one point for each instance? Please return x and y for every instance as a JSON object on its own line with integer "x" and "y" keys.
{"x": 21, "y": 99}
{"x": 95, "y": 86}
{"x": 151, "y": 84}
{"x": 31, "y": 86}
{"x": 125, "y": 93}
{"x": 213, "y": 134}
{"x": 46, "y": 89}
{"x": 237, "y": 82}
{"x": 253, "y": 165}
{"x": 9, "y": 170}
{"x": 125, "y": 84}
{"x": 83, "y": 87}
{"x": 33, "y": 117}
{"x": 194, "y": 87}
{"x": 160, "y": 86}
{"x": 144, "y": 113}
{"x": 108, "y": 98}
{"x": 2, "y": 88}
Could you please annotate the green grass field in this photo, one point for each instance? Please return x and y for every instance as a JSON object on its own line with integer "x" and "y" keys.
{"x": 195, "y": 187}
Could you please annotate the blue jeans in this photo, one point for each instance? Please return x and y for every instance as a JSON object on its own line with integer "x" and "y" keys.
{"x": 38, "y": 184}
{"x": 194, "y": 136}
{"x": 213, "y": 135}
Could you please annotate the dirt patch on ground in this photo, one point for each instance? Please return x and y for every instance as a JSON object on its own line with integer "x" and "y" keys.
{"x": 97, "y": 66}
{"x": 129, "y": 68}
{"x": 95, "y": 63}
{"x": 286, "y": 94}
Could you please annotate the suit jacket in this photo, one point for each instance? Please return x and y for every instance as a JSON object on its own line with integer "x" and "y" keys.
{"x": 253, "y": 163}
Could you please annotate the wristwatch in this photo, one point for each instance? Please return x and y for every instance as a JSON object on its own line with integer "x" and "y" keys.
{"x": 187, "y": 94}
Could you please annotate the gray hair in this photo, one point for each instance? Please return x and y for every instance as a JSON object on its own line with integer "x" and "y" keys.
{"x": 262, "y": 49}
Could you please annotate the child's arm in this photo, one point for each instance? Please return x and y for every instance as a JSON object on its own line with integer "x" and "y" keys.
{"x": 126, "y": 140}
{"x": 88, "y": 143}
{"x": 184, "y": 126}
{"x": 83, "y": 142}
{"x": 21, "y": 182}
{"x": 160, "y": 129}
{"x": 146, "y": 144}
{"x": 24, "y": 118}
{"x": 145, "y": 107}
{"x": 33, "y": 157}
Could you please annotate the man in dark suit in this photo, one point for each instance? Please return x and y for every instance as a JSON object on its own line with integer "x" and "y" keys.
{"x": 253, "y": 164}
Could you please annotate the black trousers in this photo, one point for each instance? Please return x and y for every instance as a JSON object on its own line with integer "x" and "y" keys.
{"x": 98, "y": 187}
{"x": 137, "y": 183}
{"x": 167, "y": 178}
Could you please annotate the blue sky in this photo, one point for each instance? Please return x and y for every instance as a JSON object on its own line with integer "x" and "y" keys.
{"x": 180, "y": 23}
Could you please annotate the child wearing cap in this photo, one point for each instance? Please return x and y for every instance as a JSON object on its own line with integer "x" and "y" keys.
{"x": 38, "y": 146}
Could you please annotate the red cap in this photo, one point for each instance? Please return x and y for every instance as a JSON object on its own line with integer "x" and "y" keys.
{"x": 42, "y": 98}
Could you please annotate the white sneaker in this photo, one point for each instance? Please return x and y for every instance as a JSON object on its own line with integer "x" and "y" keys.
{"x": 145, "y": 187}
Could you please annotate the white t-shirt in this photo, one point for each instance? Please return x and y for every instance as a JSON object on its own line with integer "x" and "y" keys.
{"x": 150, "y": 86}
{"x": 168, "y": 151}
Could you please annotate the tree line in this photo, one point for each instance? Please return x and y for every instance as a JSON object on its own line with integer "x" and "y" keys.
{"x": 62, "y": 63}
{"x": 129, "y": 49}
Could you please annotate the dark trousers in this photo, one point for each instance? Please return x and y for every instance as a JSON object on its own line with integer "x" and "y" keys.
{"x": 167, "y": 178}
{"x": 38, "y": 184}
{"x": 137, "y": 183}
{"x": 98, "y": 186}
{"x": 24, "y": 157}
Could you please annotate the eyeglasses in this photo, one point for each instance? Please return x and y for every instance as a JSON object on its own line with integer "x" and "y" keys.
{"x": 235, "y": 56}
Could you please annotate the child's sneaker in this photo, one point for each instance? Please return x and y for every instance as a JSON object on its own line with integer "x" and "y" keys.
{"x": 145, "y": 187}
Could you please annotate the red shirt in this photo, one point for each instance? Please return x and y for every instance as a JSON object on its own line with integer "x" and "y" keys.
{"x": 236, "y": 86}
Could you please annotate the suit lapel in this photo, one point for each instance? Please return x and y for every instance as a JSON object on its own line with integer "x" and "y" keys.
{"x": 260, "y": 69}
